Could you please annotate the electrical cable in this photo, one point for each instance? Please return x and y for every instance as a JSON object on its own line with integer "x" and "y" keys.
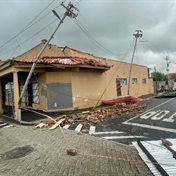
{"x": 27, "y": 26}
{"x": 85, "y": 31}
{"x": 30, "y": 37}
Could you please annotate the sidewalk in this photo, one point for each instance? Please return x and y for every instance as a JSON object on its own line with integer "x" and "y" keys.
{"x": 25, "y": 151}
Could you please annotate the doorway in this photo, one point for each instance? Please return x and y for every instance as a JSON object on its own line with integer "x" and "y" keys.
{"x": 30, "y": 94}
{"x": 118, "y": 87}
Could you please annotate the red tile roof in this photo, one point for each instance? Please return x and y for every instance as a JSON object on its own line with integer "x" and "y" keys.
{"x": 66, "y": 61}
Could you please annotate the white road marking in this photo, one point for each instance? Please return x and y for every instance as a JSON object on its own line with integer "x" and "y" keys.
{"x": 149, "y": 110}
{"x": 150, "y": 127}
{"x": 78, "y": 128}
{"x": 109, "y": 132}
{"x": 66, "y": 126}
{"x": 8, "y": 126}
{"x": 171, "y": 118}
{"x": 123, "y": 137}
{"x": 92, "y": 130}
{"x": 160, "y": 115}
{"x": 149, "y": 114}
{"x": 3, "y": 124}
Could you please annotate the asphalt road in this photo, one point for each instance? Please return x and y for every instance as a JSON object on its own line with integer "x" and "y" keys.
{"x": 157, "y": 120}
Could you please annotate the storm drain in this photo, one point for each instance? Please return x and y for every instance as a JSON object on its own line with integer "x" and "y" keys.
{"x": 18, "y": 152}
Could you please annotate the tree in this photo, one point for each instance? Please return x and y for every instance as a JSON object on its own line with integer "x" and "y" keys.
{"x": 157, "y": 76}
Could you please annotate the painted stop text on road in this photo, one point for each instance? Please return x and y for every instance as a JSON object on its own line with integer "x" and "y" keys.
{"x": 159, "y": 115}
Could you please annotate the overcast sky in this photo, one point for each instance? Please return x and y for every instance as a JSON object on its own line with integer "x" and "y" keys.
{"x": 103, "y": 28}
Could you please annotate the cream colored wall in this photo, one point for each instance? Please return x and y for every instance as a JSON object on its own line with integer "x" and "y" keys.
{"x": 58, "y": 77}
{"x": 87, "y": 87}
{"x": 50, "y": 50}
{"x": 120, "y": 70}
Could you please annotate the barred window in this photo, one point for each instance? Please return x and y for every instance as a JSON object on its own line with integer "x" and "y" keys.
{"x": 134, "y": 80}
{"x": 144, "y": 81}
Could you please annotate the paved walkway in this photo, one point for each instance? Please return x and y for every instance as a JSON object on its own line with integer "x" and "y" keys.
{"x": 25, "y": 151}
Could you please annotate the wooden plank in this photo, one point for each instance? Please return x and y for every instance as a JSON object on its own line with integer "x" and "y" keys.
{"x": 57, "y": 124}
{"x": 40, "y": 125}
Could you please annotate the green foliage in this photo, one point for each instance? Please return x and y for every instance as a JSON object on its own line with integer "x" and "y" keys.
{"x": 157, "y": 76}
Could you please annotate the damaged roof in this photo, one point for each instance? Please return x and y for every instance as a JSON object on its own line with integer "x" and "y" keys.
{"x": 66, "y": 61}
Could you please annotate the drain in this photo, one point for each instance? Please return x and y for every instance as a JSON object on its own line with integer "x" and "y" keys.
{"x": 18, "y": 152}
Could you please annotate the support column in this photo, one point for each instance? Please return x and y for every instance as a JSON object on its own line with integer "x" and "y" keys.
{"x": 1, "y": 99}
{"x": 16, "y": 95}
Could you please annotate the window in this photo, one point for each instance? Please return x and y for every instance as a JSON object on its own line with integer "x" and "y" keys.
{"x": 123, "y": 81}
{"x": 9, "y": 92}
{"x": 32, "y": 90}
{"x": 134, "y": 80}
{"x": 144, "y": 81}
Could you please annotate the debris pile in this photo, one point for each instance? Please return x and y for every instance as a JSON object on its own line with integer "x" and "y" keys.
{"x": 87, "y": 118}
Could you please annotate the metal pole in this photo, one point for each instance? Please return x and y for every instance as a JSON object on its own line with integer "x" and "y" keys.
{"x": 68, "y": 12}
{"x": 129, "y": 77}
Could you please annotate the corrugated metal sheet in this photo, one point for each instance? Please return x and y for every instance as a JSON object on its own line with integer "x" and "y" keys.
{"x": 66, "y": 61}
{"x": 161, "y": 154}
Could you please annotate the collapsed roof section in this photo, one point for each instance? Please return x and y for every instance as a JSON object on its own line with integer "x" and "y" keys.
{"x": 67, "y": 61}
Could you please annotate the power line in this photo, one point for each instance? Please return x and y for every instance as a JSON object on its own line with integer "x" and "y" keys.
{"x": 29, "y": 24}
{"x": 78, "y": 2}
{"x": 85, "y": 31}
{"x": 37, "y": 16}
{"x": 29, "y": 38}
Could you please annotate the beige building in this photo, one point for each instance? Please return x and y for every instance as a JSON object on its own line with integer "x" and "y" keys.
{"x": 66, "y": 79}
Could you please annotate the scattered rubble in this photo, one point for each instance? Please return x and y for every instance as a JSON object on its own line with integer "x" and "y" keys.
{"x": 88, "y": 118}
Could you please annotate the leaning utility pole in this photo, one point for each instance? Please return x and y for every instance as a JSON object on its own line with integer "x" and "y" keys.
{"x": 136, "y": 35}
{"x": 69, "y": 12}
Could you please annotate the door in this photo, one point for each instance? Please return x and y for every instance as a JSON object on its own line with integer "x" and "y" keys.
{"x": 118, "y": 87}
{"x": 30, "y": 95}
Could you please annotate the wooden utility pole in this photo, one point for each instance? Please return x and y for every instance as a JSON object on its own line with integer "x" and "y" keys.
{"x": 69, "y": 12}
{"x": 136, "y": 35}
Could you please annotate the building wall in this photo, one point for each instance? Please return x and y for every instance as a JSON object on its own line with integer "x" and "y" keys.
{"x": 87, "y": 87}
{"x": 59, "y": 90}
{"x": 120, "y": 70}
{"x": 82, "y": 88}
{"x": 73, "y": 89}
{"x": 50, "y": 50}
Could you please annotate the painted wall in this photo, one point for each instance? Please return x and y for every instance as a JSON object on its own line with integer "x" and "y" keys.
{"x": 74, "y": 89}
{"x": 59, "y": 90}
{"x": 120, "y": 70}
{"x": 87, "y": 87}
{"x": 50, "y": 50}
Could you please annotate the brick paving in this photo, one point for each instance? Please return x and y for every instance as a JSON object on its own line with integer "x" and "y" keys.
{"x": 49, "y": 157}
